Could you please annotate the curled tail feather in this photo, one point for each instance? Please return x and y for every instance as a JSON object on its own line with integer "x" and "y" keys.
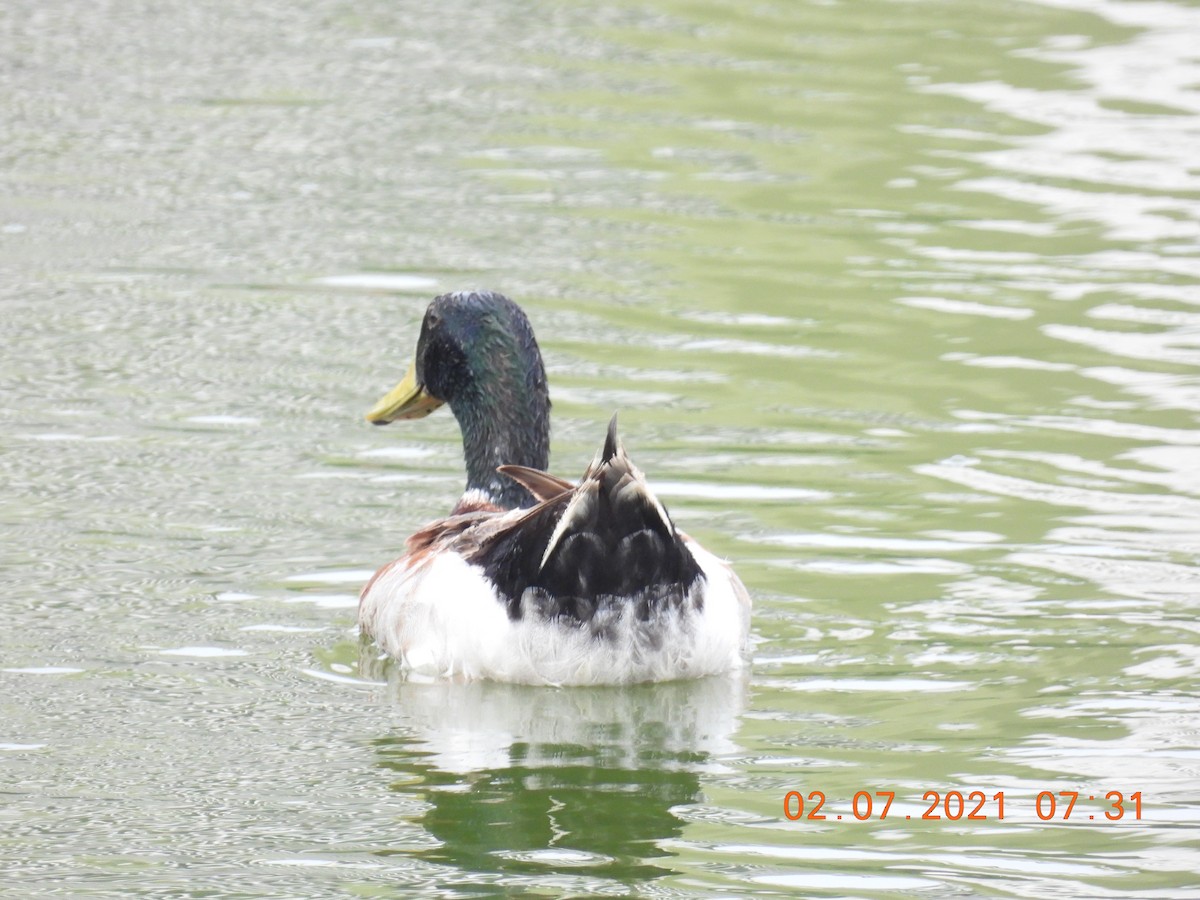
{"x": 606, "y": 546}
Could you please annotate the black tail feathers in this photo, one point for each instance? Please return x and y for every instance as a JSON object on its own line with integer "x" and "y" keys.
{"x": 604, "y": 545}
{"x": 612, "y": 443}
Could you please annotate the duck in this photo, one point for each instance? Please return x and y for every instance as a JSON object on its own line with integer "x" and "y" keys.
{"x": 532, "y": 578}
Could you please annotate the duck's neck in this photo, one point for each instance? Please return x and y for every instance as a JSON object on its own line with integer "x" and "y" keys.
{"x": 505, "y": 422}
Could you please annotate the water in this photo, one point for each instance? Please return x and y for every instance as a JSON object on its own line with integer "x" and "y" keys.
{"x": 900, "y": 307}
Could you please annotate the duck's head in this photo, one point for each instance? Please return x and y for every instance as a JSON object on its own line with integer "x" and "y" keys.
{"x": 477, "y": 354}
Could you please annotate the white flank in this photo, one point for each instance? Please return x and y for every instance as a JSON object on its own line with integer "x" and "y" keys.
{"x": 442, "y": 619}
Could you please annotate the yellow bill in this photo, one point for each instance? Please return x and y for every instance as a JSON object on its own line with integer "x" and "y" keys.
{"x": 407, "y": 400}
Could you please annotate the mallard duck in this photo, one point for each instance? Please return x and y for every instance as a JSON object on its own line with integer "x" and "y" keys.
{"x": 532, "y": 578}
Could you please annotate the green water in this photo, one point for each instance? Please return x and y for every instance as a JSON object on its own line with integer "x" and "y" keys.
{"x": 900, "y": 307}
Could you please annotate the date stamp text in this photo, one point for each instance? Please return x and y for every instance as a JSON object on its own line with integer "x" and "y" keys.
{"x": 1048, "y": 806}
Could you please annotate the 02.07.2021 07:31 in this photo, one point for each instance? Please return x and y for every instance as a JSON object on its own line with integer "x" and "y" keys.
{"x": 954, "y": 805}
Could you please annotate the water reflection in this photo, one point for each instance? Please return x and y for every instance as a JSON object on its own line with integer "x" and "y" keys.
{"x": 516, "y": 780}
{"x": 1107, "y": 156}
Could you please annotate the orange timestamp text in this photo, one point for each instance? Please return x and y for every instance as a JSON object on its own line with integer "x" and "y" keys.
{"x": 1056, "y": 806}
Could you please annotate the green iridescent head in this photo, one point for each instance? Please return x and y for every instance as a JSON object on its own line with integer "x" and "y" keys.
{"x": 477, "y": 354}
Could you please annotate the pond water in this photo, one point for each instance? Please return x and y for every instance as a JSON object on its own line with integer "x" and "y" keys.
{"x": 900, "y": 306}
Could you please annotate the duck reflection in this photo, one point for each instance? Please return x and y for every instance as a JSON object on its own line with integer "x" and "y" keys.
{"x": 533, "y": 780}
